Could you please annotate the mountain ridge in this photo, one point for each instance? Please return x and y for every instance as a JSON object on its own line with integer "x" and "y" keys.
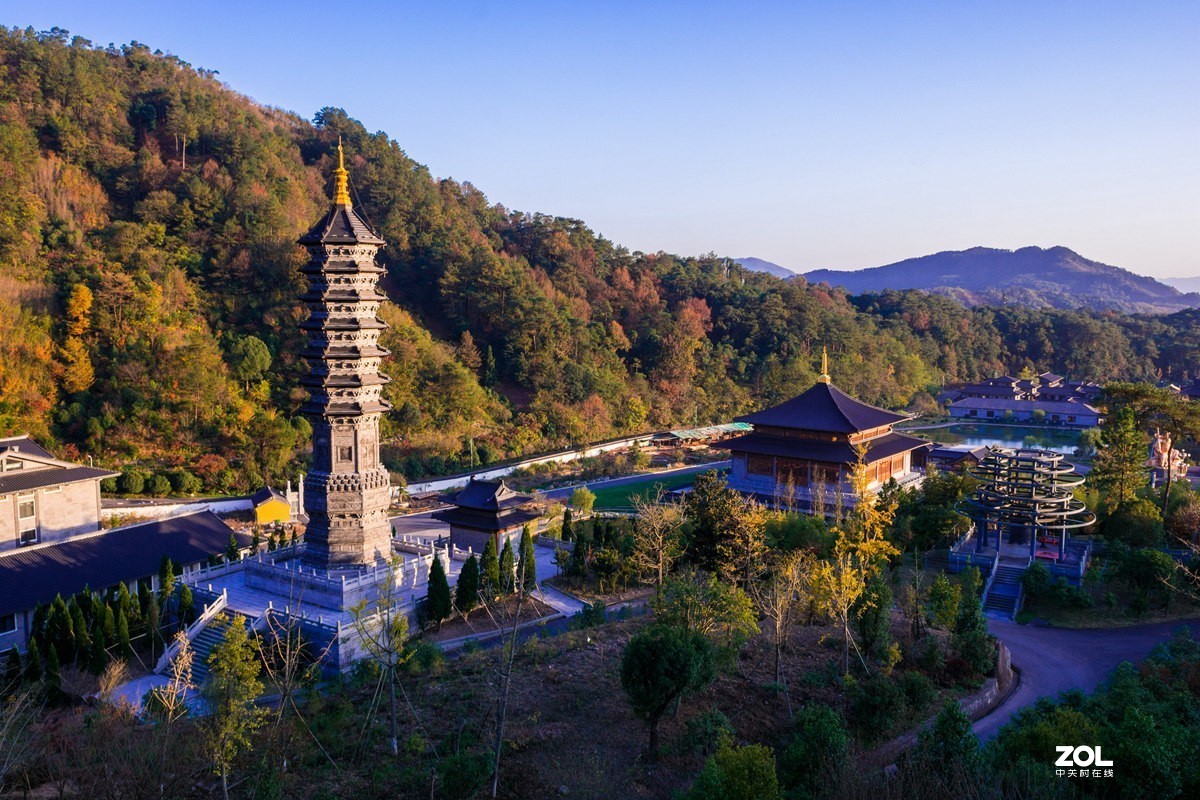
{"x": 1053, "y": 277}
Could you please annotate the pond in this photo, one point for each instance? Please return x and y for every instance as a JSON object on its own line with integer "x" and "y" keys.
{"x": 1060, "y": 440}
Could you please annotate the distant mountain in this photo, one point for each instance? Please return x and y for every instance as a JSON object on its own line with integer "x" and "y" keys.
{"x": 1055, "y": 277}
{"x": 1183, "y": 284}
{"x": 759, "y": 265}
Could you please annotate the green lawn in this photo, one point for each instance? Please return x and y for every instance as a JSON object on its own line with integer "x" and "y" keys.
{"x": 621, "y": 497}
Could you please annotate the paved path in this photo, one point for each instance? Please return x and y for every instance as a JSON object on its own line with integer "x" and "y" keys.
{"x": 1053, "y": 660}
{"x": 608, "y": 483}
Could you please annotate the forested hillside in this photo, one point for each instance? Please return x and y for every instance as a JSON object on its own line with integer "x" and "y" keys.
{"x": 1054, "y": 277}
{"x": 148, "y": 285}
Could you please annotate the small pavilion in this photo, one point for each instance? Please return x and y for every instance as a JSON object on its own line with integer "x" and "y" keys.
{"x": 486, "y": 510}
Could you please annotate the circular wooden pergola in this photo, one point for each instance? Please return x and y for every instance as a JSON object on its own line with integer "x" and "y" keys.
{"x": 1026, "y": 493}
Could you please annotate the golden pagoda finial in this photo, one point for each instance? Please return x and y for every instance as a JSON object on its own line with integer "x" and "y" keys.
{"x": 824, "y": 378}
{"x": 341, "y": 180}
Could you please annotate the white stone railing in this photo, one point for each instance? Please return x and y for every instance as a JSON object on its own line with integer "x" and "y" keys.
{"x": 207, "y": 616}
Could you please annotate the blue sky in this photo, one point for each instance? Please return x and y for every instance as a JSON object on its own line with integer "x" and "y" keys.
{"x": 839, "y": 135}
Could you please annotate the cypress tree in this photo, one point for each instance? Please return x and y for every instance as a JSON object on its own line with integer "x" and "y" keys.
{"x": 187, "y": 606}
{"x": 578, "y": 567}
{"x": 490, "y": 568}
{"x": 53, "y": 677}
{"x": 99, "y": 656}
{"x": 124, "y": 602}
{"x": 142, "y": 605}
{"x": 83, "y": 642}
{"x": 153, "y": 624}
{"x": 12, "y": 672}
{"x": 40, "y": 613}
{"x": 466, "y": 593}
{"x": 568, "y": 528}
{"x": 33, "y": 663}
{"x": 271, "y": 540}
{"x": 233, "y": 551}
{"x": 110, "y": 623}
{"x": 59, "y": 632}
{"x": 528, "y": 570}
{"x": 507, "y": 568}
{"x": 124, "y": 648}
{"x": 97, "y": 615}
{"x": 256, "y": 541}
{"x": 438, "y": 605}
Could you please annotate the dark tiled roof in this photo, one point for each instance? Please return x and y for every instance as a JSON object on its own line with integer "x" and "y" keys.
{"x": 340, "y": 225}
{"x": 824, "y": 407}
{"x": 829, "y": 452}
{"x": 489, "y": 496}
{"x": 1072, "y": 406}
{"x": 29, "y": 576}
{"x": 23, "y": 480}
{"x": 484, "y": 521}
{"x": 25, "y": 445}
{"x": 266, "y": 493}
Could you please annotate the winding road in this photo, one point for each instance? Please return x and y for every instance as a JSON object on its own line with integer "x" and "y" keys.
{"x": 1053, "y": 660}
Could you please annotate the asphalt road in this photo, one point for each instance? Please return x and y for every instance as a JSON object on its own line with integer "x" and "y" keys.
{"x": 1053, "y": 660}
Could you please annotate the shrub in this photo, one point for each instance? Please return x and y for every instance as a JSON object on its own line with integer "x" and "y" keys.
{"x": 158, "y": 485}
{"x": 709, "y": 731}
{"x": 876, "y": 705}
{"x": 816, "y": 753}
{"x": 1036, "y": 581}
{"x": 738, "y": 773}
{"x": 593, "y": 614}
{"x": 131, "y": 482}
{"x": 918, "y": 691}
{"x": 944, "y": 599}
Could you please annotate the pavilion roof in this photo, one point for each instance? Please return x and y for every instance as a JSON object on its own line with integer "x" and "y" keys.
{"x": 824, "y": 407}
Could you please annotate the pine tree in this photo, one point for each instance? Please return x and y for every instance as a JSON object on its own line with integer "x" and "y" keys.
{"x": 99, "y": 656}
{"x": 124, "y": 648}
{"x": 508, "y": 568}
{"x": 528, "y": 569}
{"x": 256, "y": 540}
{"x": 438, "y": 605}
{"x": 153, "y": 624}
{"x": 33, "y": 662}
{"x": 1120, "y": 464}
{"x": 489, "y": 378}
{"x": 142, "y": 605}
{"x": 271, "y": 540}
{"x": 568, "y": 528}
{"x": 12, "y": 672}
{"x": 52, "y": 680}
{"x": 490, "y": 568}
{"x": 466, "y": 593}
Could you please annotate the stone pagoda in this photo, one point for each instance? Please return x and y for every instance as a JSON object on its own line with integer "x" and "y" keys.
{"x": 347, "y": 491}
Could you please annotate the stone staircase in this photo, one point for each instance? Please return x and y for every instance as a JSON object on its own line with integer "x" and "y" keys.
{"x": 204, "y": 642}
{"x": 1005, "y": 591}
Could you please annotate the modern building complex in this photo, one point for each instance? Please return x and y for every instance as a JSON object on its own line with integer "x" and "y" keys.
{"x": 42, "y": 499}
{"x": 802, "y": 452}
{"x": 1048, "y": 398}
{"x": 52, "y": 543}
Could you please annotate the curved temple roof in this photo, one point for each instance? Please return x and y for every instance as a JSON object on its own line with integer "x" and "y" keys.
{"x": 824, "y": 407}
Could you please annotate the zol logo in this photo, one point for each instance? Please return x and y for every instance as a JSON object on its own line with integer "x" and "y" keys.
{"x": 1082, "y": 756}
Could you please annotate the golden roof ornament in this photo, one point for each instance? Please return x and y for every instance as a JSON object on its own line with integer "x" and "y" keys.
{"x": 824, "y": 378}
{"x": 341, "y": 180}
